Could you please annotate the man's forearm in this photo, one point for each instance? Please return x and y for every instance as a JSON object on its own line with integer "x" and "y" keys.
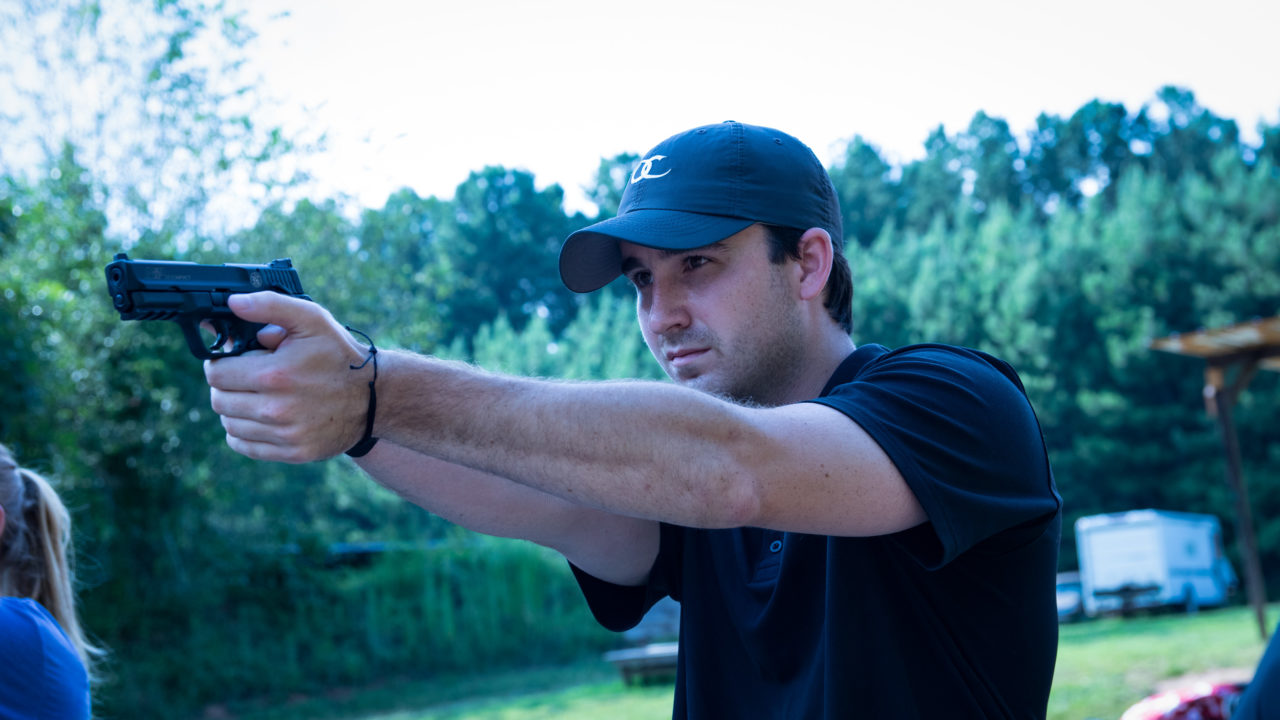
{"x": 642, "y": 449}
{"x": 612, "y": 547}
{"x": 471, "y": 498}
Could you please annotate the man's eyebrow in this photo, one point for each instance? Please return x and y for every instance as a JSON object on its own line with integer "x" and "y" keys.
{"x": 630, "y": 263}
{"x": 718, "y": 245}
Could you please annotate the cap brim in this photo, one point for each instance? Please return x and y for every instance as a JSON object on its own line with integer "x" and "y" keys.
{"x": 590, "y": 258}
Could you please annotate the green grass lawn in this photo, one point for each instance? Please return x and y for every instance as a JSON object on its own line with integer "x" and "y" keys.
{"x": 584, "y": 702}
{"x": 1104, "y": 666}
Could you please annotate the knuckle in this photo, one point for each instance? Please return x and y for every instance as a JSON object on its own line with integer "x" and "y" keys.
{"x": 292, "y": 436}
{"x": 276, "y": 379}
{"x": 275, "y": 412}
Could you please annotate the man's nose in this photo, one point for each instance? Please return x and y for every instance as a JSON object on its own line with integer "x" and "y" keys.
{"x": 668, "y": 309}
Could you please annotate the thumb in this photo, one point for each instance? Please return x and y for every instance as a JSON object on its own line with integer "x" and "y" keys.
{"x": 294, "y": 315}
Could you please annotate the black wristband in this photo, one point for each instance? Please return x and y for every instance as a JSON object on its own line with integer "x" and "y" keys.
{"x": 363, "y": 447}
{"x": 367, "y": 441}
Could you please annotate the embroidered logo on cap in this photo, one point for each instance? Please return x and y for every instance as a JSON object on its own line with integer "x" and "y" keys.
{"x": 644, "y": 170}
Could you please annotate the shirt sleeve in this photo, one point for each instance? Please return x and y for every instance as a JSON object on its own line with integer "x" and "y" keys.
{"x": 622, "y": 607}
{"x": 40, "y": 673}
{"x": 960, "y": 429}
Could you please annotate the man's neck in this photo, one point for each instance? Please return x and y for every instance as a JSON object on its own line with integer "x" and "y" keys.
{"x": 820, "y": 362}
{"x": 835, "y": 348}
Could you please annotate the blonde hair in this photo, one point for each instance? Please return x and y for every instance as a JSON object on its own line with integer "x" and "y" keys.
{"x": 36, "y": 555}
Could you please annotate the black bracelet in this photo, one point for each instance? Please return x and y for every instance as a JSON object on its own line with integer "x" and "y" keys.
{"x": 366, "y": 443}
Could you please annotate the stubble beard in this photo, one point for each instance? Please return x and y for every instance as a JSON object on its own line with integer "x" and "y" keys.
{"x": 758, "y": 369}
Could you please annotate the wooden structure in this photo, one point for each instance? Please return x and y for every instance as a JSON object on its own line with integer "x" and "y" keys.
{"x": 1129, "y": 595}
{"x": 652, "y": 661}
{"x": 1233, "y": 355}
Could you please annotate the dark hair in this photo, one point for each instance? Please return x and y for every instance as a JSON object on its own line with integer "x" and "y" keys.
{"x": 784, "y": 242}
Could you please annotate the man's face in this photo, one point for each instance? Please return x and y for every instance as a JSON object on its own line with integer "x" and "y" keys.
{"x": 721, "y": 318}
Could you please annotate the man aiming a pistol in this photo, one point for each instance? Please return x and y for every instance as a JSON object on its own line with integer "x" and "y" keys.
{"x": 850, "y": 531}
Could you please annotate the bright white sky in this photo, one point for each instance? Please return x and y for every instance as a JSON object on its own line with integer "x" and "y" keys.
{"x": 418, "y": 94}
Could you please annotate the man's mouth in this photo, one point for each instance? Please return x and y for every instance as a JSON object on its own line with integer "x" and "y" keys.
{"x": 684, "y": 356}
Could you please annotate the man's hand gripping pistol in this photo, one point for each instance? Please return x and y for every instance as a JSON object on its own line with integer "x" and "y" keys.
{"x": 190, "y": 294}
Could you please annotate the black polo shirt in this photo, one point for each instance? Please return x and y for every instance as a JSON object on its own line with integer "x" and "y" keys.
{"x": 1261, "y": 699}
{"x": 954, "y": 618}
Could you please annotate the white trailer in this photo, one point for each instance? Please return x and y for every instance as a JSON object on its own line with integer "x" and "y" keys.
{"x": 1152, "y": 558}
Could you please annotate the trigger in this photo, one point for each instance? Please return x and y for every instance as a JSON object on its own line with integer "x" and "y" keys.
{"x": 222, "y": 338}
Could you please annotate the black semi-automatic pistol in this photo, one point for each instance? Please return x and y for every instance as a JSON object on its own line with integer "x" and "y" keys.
{"x": 190, "y": 294}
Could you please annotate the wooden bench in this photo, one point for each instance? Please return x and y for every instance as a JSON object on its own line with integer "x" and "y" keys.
{"x": 655, "y": 660}
{"x": 1129, "y": 595}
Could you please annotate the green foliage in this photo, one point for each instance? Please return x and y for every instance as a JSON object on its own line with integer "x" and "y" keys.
{"x": 503, "y": 246}
{"x": 324, "y": 620}
{"x": 157, "y": 100}
{"x": 601, "y": 343}
{"x": 868, "y": 196}
{"x": 931, "y": 187}
{"x": 401, "y": 266}
{"x": 212, "y": 577}
{"x": 610, "y": 182}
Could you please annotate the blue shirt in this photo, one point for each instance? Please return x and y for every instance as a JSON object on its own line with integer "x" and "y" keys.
{"x": 41, "y": 676}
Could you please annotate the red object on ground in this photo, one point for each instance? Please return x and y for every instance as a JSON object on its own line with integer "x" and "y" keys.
{"x": 1201, "y": 701}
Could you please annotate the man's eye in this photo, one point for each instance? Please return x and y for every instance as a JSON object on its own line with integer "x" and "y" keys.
{"x": 695, "y": 261}
{"x": 640, "y": 278}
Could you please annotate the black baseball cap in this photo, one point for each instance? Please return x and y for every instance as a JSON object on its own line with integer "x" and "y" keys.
{"x": 698, "y": 188}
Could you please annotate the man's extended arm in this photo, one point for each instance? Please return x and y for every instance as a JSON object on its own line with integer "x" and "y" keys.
{"x": 638, "y": 449}
{"x": 652, "y": 450}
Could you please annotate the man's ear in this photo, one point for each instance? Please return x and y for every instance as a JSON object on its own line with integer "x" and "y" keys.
{"x": 816, "y": 256}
